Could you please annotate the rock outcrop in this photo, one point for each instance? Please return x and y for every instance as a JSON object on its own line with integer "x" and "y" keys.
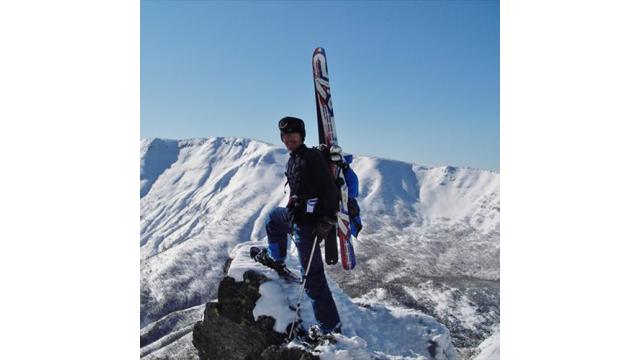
{"x": 229, "y": 330}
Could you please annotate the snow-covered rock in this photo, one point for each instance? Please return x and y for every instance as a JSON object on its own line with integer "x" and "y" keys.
{"x": 229, "y": 329}
{"x": 252, "y": 297}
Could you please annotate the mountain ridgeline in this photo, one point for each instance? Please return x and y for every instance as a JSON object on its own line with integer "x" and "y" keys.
{"x": 199, "y": 198}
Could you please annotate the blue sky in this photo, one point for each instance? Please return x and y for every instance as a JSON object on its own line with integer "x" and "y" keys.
{"x": 412, "y": 81}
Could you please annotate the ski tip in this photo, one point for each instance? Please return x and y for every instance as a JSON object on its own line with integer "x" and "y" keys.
{"x": 318, "y": 50}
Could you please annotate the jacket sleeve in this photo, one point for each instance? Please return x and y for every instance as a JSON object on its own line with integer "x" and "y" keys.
{"x": 328, "y": 196}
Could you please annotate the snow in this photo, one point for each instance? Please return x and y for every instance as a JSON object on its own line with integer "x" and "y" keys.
{"x": 429, "y": 216}
{"x": 156, "y": 156}
{"x": 201, "y": 198}
{"x": 444, "y": 305}
{"x": 369, "y": 329}
{"x": 171, "y": 336}
{"x": 490, "y": 348}
{"x": 274, "y": 303}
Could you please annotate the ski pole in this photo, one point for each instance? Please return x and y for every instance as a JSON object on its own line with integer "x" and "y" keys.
{"x": 304, "y": 282}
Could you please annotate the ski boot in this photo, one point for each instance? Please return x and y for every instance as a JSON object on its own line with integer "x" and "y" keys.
{"x": 260, "y": 255}
{"x": 315, "y": 337}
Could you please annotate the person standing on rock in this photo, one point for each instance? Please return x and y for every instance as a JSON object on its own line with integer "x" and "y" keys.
{"x": 310, "y": 213}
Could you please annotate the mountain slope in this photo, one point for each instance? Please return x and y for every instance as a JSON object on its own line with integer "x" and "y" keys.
{"x": 202, "y": 197}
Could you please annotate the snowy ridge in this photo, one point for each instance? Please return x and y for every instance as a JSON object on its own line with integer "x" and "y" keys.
{"x": 444, "y": 220}
{"x": 200, "y": 198}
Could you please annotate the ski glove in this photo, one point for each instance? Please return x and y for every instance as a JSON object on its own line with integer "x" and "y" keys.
{"x": 324, "y": 226}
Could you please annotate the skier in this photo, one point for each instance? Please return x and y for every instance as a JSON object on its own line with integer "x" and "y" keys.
{"x": 310, "y": 213}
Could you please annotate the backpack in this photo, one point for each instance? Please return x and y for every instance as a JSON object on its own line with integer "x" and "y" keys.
{"x": 351, "y": 178}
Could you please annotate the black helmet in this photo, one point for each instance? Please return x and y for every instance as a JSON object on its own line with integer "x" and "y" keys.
{"x": 290, "y": 125}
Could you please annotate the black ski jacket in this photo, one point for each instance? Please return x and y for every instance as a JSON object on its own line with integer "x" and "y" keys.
{"x": 309, "y": 177}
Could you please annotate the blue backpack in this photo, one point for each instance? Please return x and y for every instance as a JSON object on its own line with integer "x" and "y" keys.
{"x": 353, "y": 188}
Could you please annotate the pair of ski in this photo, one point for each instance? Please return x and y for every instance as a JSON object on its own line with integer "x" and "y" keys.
{"x": 329, "y": 138}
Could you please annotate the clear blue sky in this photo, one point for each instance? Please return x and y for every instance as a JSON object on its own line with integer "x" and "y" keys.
{"x": 417, "y": 81}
